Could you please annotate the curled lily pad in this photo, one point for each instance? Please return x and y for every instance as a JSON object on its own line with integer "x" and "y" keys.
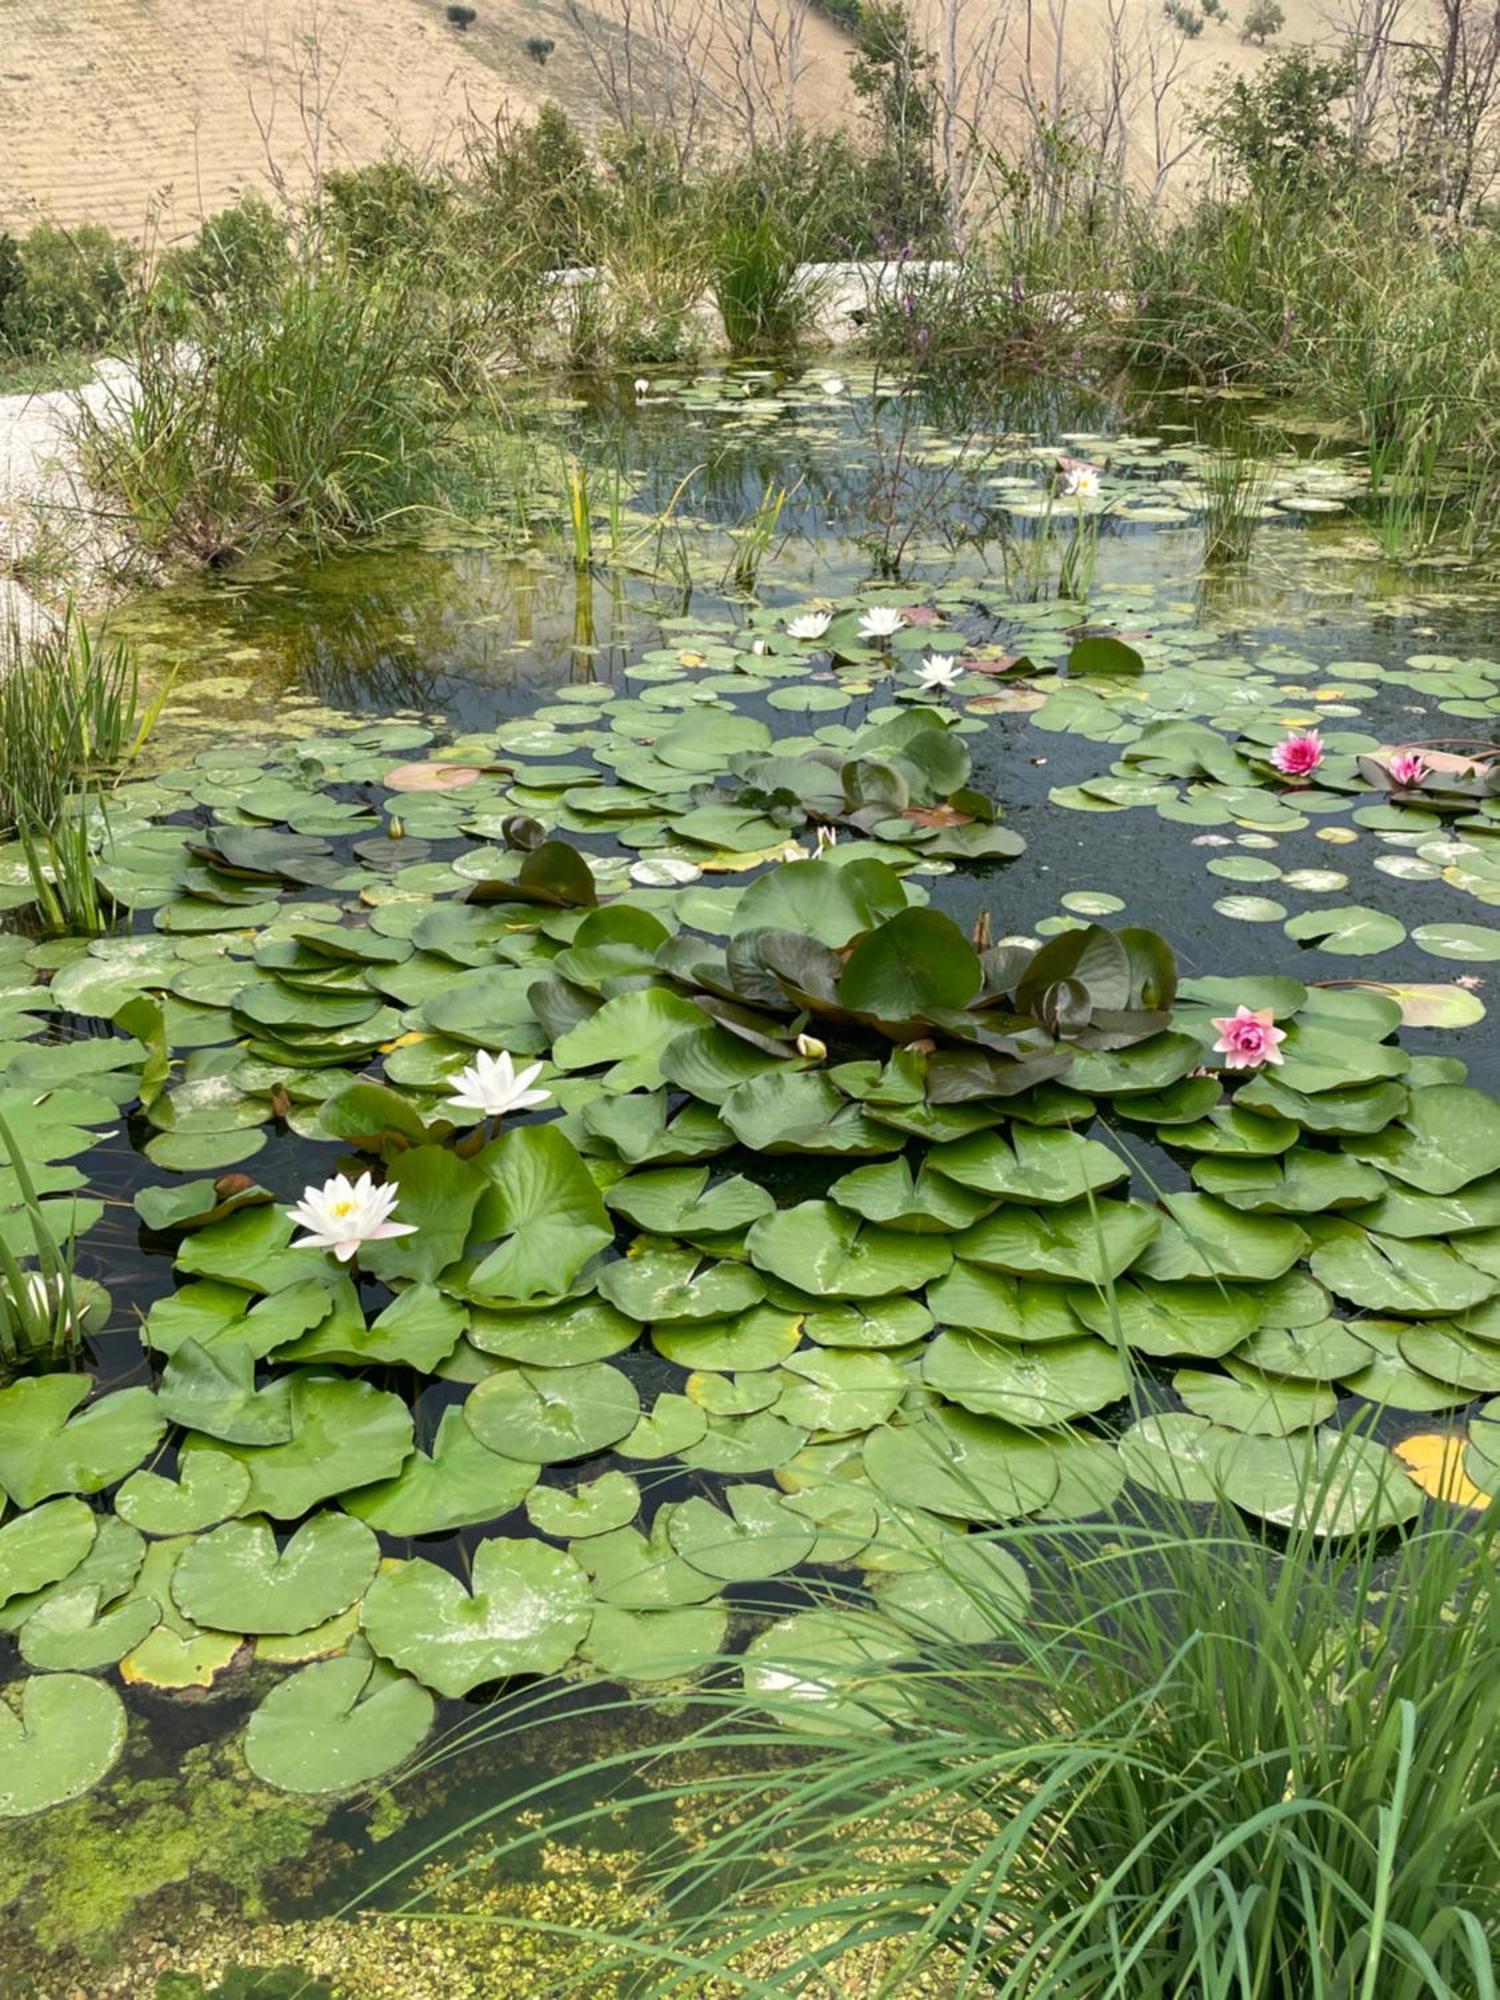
{"x": 337, "y": 1725}
{"x": 62, "y": 1736}
{"x": 527, "y": 1612}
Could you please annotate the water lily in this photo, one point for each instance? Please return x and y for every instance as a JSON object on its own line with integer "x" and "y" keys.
{"x": 833, "y": 385}
{"x": 759, "y": 647}
{"x": 810, "y": 625}
{"x": 1407, "y": 768}
{"x": 811, "y": 1047}
{"x": 828, "y": 836}
{"x": 641, "y": 385}
{"x": 492, "y": 1086}
{"x": 1081, "y": 483}
{"x": 342, "y": 1214}
{"x": 1249, "y": 1037}
{"x": 1298, "y": 755}
{"x": 882, "y": 621}
{"x": 936, "y": 673}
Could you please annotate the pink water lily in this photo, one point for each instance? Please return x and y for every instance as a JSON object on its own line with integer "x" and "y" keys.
{"x": 1298, "y": 755}
{"x": 1248, "y": 1038}
{"x": 1407, "y": 768}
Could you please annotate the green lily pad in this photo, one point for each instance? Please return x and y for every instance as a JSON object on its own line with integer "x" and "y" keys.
{"x": 336, "y": 1726}
{"x": 43, "y": 1546}
{"x": 759, "y": 1537}
{"x": 527, "y": 1613}
{"x": 63, "y": 1735}
{"x": 824, "y": 1250}
{"x": 651, "y": 1646}
{"x": 459, "y": 1484}
{"x": 344, "y": 1435}
{"x": 544, "y": 1416}
{"x": 597, "y": 1508}
{"x": 236, "y": 1580}
{"x": 46, "y": 1449}
{"x": 211, "y": 1486}
{"x": 1330, "y": 1483}
{"x": 953, "y": 1462}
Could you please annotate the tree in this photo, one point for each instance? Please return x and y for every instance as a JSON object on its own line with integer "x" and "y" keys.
{"x": 1262, "y": 20}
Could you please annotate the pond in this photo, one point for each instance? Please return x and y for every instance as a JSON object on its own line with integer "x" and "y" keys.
{"x": 878, "y": 1192}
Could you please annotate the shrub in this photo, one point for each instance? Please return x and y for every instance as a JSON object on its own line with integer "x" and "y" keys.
{"x": 243, "y": 248}
{"x": 73, "y": 291}
{"x": 1184, "y": 19}
{"x": 383, "y": 211}
{"x": 1263, "y": 19}
{"x": 538, "y": 47}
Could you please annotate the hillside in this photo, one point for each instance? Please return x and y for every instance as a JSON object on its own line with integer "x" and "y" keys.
{"x": 132, "y": 109}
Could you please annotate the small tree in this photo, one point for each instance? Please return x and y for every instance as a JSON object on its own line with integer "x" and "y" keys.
{"x": 1264, "y": 19}
{"x": 1184, "y": 19}
{"x": 538, "y": 47}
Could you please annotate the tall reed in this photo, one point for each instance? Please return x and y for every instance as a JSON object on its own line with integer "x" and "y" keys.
{"x": 1202, "y": 1763}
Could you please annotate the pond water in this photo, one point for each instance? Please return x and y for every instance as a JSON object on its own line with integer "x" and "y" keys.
{"x": 347, "y": 855}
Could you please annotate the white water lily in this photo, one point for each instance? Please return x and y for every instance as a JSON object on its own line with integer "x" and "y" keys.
{"x": 833, "y": 385}
{"x": 810, "y": 1046}
{"x": 759, "y": 647}
{"x": 641, "y": 385}
{"x": 882, "y": 621}
{"x": 828, "y": 836}
{"x": 811, "y": 625}
{"x": 936, "y": 672}
{"x": 492, "y": 1086}
{"x": 1081, "y": 483}
{"x": 342, "y": 1214}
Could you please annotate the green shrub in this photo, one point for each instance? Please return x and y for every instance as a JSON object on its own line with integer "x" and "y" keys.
{"x": 73, "y": 292}
{"x": 384, "y": 211}
{"x": 242, "y": 248}
{"x": 1263, "y": 19}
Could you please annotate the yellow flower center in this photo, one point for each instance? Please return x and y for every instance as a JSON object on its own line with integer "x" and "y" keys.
{"x": 343, "y": 1208}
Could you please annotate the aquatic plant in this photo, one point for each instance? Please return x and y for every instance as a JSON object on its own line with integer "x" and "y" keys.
{"x": 70, "y": 707}
{"x": 344, "y": 1215}
{"x": 311, "y": 410}
{"x": 1147, "y": 1757}
{"x": 764, "y": 304}
{"x": 492, "y": 1086}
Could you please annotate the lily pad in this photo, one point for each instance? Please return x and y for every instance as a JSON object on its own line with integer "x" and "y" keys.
{"x": 63, "y": 1735}
{"x": 527, "y": 1612}
{"x": 236, "y": 1580}
{"x": 336, "y": 1726}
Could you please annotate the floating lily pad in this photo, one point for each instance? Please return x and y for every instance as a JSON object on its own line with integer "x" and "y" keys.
{"x": 527, "y": 1612}
{"x": 336, "y": 1726}
{"x": 63, "y": 1735}
{"x": 236, "y": 1580}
